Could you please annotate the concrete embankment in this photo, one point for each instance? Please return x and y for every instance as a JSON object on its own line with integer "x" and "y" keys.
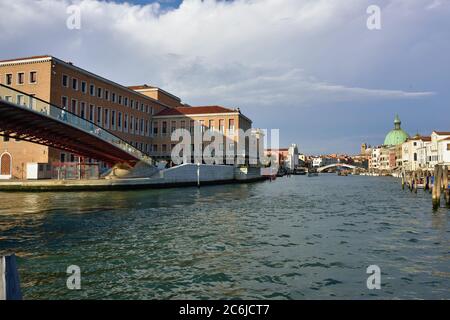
{"x": 180, "y": 176}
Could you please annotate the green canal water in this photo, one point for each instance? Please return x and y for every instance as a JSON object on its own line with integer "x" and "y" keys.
{"x": 294, "y": 238}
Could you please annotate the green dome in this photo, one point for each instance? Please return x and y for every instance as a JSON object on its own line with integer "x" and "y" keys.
{"x": 396, "y": 136}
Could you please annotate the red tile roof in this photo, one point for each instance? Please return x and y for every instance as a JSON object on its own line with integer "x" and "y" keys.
{"x": 423, "y": 138}
{"x": 194, "y": 110}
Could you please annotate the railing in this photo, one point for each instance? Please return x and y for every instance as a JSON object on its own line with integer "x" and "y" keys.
{"x": 27, "y": 101}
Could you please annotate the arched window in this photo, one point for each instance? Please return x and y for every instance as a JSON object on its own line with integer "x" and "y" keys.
{"x": 5, "y": 166}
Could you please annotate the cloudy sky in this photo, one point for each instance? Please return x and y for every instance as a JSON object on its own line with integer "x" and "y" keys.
{"x": 309, "y": 67}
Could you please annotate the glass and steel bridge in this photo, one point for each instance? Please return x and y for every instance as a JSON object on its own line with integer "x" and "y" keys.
{"x": 27, "y": 118}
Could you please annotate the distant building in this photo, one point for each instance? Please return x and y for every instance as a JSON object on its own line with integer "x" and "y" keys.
{"x": 287, "y": 158}
{"x": 226, "y": 121}
{"x": 374, "y": 160}
{"x": 292, "y": 160}
{"x": 412, "y": 158}
{"x": 401, "y": 152}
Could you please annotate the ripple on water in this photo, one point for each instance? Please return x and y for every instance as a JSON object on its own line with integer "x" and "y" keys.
{"x": 277, "y": 240}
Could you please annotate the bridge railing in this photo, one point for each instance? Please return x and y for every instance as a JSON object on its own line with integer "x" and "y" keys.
{"x": 27, "y": 101}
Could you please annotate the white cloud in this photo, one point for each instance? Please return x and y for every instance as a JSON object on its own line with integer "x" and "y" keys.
{"x": 241, "y": 53}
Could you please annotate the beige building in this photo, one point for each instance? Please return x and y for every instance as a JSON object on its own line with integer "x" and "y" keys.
{"x": 412, "y": 152}
{"x": 215, "y": 118}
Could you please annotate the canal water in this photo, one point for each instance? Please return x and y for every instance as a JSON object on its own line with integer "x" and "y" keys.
{"x": 294, "y": 238}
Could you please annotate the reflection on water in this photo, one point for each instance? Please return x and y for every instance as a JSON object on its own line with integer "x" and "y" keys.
{"x": 293, "y": 238}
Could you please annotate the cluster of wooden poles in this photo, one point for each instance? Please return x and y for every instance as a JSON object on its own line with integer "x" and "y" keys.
{"x": 435, "y": 182}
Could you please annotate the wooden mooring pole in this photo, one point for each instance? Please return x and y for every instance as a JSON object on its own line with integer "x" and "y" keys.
{"x": 415, "y": 181}
{"x": 9, "y": 279}
{"x": 446, "y": 189}
{"x": 426, "y": 181}
{"x": 436, "y": 194}
{"x": 403, "y": 180}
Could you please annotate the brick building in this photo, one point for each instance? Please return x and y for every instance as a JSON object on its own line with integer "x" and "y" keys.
{"x": 140, "y": 115}
{"x": 121, "y": 110}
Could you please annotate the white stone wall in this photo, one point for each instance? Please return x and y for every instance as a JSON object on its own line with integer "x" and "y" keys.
{"x": 188, "y": 173}
{"x": 249, "y": 173}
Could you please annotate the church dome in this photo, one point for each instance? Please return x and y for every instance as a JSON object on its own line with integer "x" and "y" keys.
{"x": 397, "y": 135}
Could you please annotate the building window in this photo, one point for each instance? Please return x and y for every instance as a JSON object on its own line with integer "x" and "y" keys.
{"x": 415, "y": 156}
{"x": 183, "y": 124}
{"x": 191, "y": 126}
{"x": 119, "y": 120}
{"x": 155, "y": 148}
{"x": 75, "y": 84}
{"x": 106, "y": 95}
{"x": 92, "y": 90}
{"x": 62, "y": 157}
{"x": 211, "y": 125}
{"x": 106, "y": 118}
{"x": 113, "y": 97}
{"x": 83, "y": 86}
{"x": 113, "y": 119}
{"x": 173, "y": 126}
{"x": 33, "y": 77}
{"x": 221, "y": 125}
{"x": 131, "y": 124}
{"x": 99, "y": 115}
{"x": 142, "y": 107}
{"x": 20, "y": 78}
{"x": 231, "y": 125}
{"x": 155, "y": 128}
{"x": 65, "y": 80}
{"x": 20, "y": 99}
{"x": 120, "y": 99}
{"x": 164, "y": 148}
{"x": 64, "y": 102}
{"x": 32, "y": 102}
{"x": 91, "y": 113}
{"x": 8, "y": 79}
{"x": 125, "y": 122}
{"x": 125, "y": 101}
{"x": 146, "y": 127}
{"x": 136, "y": 105}
{"x": 73, "y": 106}
{"x": 131, "y": 103}
{"x": 142, "y": 126}
{"x": 82, "y": 110}
{"x": 146, "y": 108}
{"x": 99, "y": 93}
{"x": 5, "y": 138}
{"x": 164, "y": 128}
